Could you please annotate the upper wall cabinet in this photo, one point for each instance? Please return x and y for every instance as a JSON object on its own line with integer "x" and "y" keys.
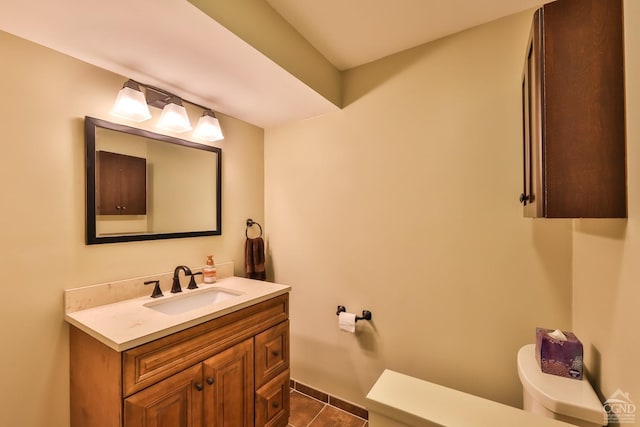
{"x": 573, "y": 112}
{"x": 121, "y": 184}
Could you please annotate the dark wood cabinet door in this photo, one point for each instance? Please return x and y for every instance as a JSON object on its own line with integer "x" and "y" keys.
{"x": 228, "y": 378}
{"x": 174, "y": 402}
{"x": 107, "y": 183}
{"x": 133, "y": 185}
{"x": 121, "y": 184}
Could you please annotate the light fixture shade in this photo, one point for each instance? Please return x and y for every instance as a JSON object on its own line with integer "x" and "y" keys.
{"x": 208, "y": 127}
{"x": 131, "y": 104}
{"x": 174, "y": 118}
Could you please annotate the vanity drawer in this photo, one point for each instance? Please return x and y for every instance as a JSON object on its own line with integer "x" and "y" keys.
{"x": 159, "y": 359}
{"x": 272, "y": 353}
{"x": 272, "y": 402}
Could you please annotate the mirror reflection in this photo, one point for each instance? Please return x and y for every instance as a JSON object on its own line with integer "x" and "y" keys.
{"x": 143, "y": 186}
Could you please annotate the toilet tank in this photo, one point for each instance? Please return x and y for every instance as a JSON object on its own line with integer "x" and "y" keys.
{"x": 569, "y": 400}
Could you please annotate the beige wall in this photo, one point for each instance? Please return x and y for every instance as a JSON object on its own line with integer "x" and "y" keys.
{"x": 406, "y": 203}
{"x": 606, "y": 262}
{"x": 45, "y": 96}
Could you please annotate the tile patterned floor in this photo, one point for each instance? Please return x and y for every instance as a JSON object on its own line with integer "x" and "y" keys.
{"x": 309, "y": 412}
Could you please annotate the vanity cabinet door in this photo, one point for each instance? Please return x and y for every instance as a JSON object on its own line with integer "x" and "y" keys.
{"x": 272, "y": 402}
{"x": 228, "y": 393}
{"x": 272, "y": 353}
{"x": 176, "y": 401}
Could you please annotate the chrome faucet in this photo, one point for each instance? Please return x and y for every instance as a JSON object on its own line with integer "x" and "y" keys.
{"x": 175, "y": 288}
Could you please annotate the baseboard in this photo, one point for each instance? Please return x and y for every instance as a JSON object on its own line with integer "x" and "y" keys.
{"x": 334, "y": 401}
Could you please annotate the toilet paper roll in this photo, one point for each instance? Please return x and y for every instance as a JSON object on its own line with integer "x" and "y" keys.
{"x": 347, "y": 322}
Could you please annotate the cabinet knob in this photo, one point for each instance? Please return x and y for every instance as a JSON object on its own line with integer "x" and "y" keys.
{"x": 275, "y": 353}
{"x": 210, "y": 380}
{"x": 523, "y": 198}
{"x": 199, "y": 386}
{"x": 275, "y": 405}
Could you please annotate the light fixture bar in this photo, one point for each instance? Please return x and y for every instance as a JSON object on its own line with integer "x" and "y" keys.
{"x": 158, "y": 98}
{"x": 174, "y": 117}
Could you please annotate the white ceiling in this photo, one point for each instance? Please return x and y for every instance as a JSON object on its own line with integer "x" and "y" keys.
{"x": 173, "y": 45}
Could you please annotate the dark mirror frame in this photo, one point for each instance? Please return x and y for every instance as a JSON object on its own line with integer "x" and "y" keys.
{"x": 90, "y": 125}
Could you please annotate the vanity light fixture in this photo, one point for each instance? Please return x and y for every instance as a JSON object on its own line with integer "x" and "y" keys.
{"x": 131, "y": 103}
{"x": 174, "y": 117}
{"x": 208, "y": 127}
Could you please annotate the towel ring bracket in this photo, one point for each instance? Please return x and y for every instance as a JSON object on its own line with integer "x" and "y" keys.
{"x": 251, "y": 223}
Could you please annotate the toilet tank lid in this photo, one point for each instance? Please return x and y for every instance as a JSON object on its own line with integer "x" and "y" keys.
{"x": 566, "y": 396}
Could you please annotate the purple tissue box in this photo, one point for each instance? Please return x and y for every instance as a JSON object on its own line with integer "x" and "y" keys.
{"x": 556, "y": 357}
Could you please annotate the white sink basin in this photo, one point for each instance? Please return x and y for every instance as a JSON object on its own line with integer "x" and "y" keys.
{"x": 191, "y": 300}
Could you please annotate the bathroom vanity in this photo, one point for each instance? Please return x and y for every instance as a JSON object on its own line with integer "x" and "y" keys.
{"x": 218, "y": 365}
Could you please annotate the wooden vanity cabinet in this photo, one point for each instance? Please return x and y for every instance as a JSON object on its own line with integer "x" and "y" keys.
{"x": 218, "y": 392}
{"x": 230, "y": 371}
{"x": 574, "y": 154}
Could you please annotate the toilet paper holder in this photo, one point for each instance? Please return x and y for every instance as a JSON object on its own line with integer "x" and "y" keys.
{"x": 366, "y": 314}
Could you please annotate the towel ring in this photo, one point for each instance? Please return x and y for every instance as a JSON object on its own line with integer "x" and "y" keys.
{"x": 251, "y": 223}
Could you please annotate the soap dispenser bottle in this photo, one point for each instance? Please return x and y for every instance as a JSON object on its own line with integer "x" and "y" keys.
{"x": 209, "y": 271}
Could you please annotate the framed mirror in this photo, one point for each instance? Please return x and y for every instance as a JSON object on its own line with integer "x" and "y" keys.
{"x": 146, "y": 186}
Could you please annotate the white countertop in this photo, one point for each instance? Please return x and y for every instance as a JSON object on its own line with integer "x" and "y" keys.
{"x": 126, "y": 324}
{"x": 415, "y": 402}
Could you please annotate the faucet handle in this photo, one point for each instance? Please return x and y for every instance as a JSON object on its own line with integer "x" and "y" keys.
{"x": 192, "y": 282}
{"x": 157, "y": 292}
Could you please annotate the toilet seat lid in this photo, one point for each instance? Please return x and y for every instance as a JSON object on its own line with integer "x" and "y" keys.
{"x": 566, "y": 396}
